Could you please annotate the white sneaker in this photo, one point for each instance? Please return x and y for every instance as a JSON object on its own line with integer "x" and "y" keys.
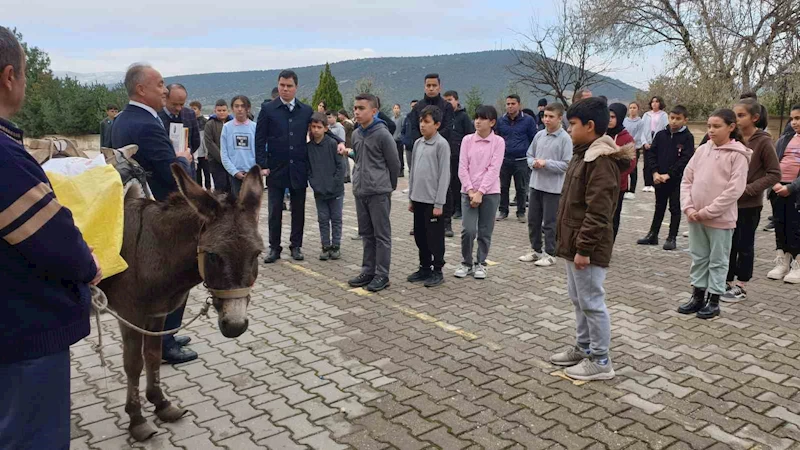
{"x": 629, "y": 196}
{"x": 545, "y": 261}
{"x": 590, "y": 370}
{"x": 479, "y": 272}
{"x": 783, "y": 263}
{"x": 794, "y": 274}
{"x": 405, "y": 191}
{"x": 531, "y": 257}
{"x": 463, "y": 271}
{"x": 648, "y": 189}
{"x": 686, "y": 233}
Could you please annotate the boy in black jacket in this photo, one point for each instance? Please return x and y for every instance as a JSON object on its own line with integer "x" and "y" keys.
{"x": 670, "y": 152}
{"x": 326, "y": 177}
{"x": 462, "y": 126}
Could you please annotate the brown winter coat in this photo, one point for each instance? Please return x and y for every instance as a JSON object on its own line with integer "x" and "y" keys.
{"x": 764, "y": 170}
{"x": 211, "y": 136}
{"x": 589, "y": 199}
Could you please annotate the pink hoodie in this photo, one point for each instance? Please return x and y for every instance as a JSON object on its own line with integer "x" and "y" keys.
{"x": 713, "y": 181}
{"x": 479, "y": 163}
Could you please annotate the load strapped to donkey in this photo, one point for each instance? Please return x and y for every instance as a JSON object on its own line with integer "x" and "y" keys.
{"x": 153, "y": 253}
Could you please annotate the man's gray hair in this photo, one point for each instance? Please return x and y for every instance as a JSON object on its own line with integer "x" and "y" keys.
{"x": 134, "y": 76}
{"x": 10, "y": 51}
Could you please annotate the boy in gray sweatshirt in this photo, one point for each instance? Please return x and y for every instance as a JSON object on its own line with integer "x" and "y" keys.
{"x": 428, "y": 181}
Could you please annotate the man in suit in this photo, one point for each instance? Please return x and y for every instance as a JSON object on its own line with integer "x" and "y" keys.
{"x": 139, "y": 124}
{"x": 175, "y": 111}
{"x": 281, "y": 131}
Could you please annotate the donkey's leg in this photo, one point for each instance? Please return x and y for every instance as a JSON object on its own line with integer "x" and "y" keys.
{"x": 133, "y": 362}
{"x": 152, "y": 357}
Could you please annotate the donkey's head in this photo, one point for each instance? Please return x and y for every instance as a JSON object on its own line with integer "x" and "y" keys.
{"x": 229, "y": 245}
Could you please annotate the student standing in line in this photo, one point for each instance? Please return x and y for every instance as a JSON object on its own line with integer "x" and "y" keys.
{"x": 633, "y": 124}
{"x": 653, "y": 121}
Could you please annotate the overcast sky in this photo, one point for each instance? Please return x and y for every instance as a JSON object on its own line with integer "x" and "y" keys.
{"x": 200, "y": 36}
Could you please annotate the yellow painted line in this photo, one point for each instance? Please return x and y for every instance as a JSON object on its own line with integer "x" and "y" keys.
{"x": 561, "y": 374}
{"x": 491, "y": 263}
{"x": 405, "y": 310}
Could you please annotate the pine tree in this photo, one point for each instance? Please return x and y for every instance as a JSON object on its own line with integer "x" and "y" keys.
{"x": 473, "y": 100}
{"x": 327, "y": 91}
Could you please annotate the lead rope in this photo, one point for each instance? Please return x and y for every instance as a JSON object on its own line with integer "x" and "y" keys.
{"x": 100, "y": 304}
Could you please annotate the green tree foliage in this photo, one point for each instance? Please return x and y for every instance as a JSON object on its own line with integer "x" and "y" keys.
{"x": 473, "y": 100}
{"x": 61, "y": 106}
{"x": 327, "y": 90}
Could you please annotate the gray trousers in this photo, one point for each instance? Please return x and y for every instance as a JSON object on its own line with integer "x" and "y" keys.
{"x": 408, "y": 160}
{"x": 477, "y": 222}
{"x": 375, "y": 229}
{"x": 593, "y": 324}
{"x": 329, "y": 216}
{"x": 542, "y": 213}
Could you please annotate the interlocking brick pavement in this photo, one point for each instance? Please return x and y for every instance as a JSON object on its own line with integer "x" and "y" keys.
{"x": 465, "y": 365}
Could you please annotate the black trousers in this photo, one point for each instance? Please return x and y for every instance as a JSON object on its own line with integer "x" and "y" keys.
{"x": 275, "y": 206}
{"x": 429, "y": 236}
{"x": 648, "y": 172}
{"x": 220, "y": 175}
{"x": 203, "y": 172}
{"x": 635, "y": 173}
{"x": 518, "y": 170}
{"x": 453, "y": 203}
{"x": 400, "y": 153}
{"x": 618, "y": 214}
{"x": 669, "y": 192}
{"x": 743, "y": 247}
{"x": 787, "y": 223}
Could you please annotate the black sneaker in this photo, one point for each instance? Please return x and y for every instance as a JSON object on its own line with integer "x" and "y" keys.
{"x": 770, "y": 226}
{"x": 401, "y": 175}
{"x": 448, "y": 232}
{"x": 650, "y": 239}
{"x": 297, "y": 254}
{"x": 734, "y": 294}
{"x": 378, "y": 284}
{"x": 512, "y": 203}
{"x": 411, "y": 233}
{"x": 670, "y": 244}
{"x": 457, "y": 215}
{"x": 361, "y": 280}
{"x": 326, "y": 254}
{"x": 521, "y": 218}
{"x": 273, "y": 256}
{"x": 335, "y": 253}
{"x": 501, "y": 216}
{"x": 435, "y": 279}
{"x": 420, "y": 275}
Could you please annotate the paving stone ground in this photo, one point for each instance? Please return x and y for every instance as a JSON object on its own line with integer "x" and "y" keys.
{"x": 464, "y": 365}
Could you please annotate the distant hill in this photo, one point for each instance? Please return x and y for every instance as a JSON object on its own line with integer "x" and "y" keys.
{"x": 106, "y": 78}
{"x": 399, "y": 79}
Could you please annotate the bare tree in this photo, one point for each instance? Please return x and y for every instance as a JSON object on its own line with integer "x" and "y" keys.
{"x": 561, "y": 58}
{"x": 744, "y": 44}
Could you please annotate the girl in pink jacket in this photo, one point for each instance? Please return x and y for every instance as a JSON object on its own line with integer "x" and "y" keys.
{"x": 713, "y": 181}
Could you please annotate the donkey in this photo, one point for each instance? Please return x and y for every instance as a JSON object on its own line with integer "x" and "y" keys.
{"x": 171, "y": 247}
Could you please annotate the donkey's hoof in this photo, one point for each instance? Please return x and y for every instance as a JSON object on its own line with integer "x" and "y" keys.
{"x": 142, "y": 432}
{"x": 171, "y": 413}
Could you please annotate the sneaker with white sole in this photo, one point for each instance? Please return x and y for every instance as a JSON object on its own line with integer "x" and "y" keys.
{"x": 570, "y": 357}
{"x": 783, "y": 263}
{"x": 686, "y": 233}
{"x": 479, "y": 272}
{"x": 464, "y": 271}
{"x": 531, "y": 257}
{"x": 734, "y": 294}
{"x": 629, "y": 196}
{"x": 590, "y": 370}
{"x": 793, "y": 276}
{"x": 545, "y": 261}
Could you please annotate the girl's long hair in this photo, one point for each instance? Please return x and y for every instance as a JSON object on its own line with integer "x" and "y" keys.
{"x": 729, "y": 117}
{"x": 753, "y": 107}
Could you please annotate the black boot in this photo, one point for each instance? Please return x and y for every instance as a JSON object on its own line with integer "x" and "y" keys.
{"x": 711, "y": 309}
{"x": 671, "y": 243}
{"x": 696, "y": 303}
{"x": 650, "y": 239}
{"x": 448, "y": 229}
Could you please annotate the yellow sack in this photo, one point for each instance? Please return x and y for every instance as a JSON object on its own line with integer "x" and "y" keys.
{"x": 95, "y": 198}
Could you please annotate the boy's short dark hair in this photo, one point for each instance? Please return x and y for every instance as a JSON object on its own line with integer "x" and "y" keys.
{"x": 515, "y": 97}
{"x": 433, "y": 111}
{"x": 556, "y": 108}
{"x": 594, "y": 109}
{"x": 288, "y": 74}
{"x": 330, "y": 113}
{"x": 320, "y": 118}
{"x": 195, "y": 104}
{"x": 528, "y": 112}
{"x": 111, "y": 106}
{"x": 274, "y": 93}
{"x": 414, "y": 101}
{"x": 244, "y": 99}
{"x": 373, "y": 101}
{"x": 680, "y": 110}
{"x": 453, "y": 94}
{"x": 486, "y": 112}
{"x": 433, "y": 75}
{"x": 221, "y": 102}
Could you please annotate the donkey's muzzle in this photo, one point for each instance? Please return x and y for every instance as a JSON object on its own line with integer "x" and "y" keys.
{"x": 232, "y": 328}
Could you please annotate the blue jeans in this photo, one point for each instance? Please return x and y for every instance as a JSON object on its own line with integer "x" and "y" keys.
{"x": 329, "y": 215}
{"x": 34, "y": 407}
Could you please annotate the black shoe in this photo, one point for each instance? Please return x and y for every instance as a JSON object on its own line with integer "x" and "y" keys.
{"x": 696, "y": 303}
{"x": 420, "y": 275}
{"x": 512, "y": 203}
{"x": 177, "y": 355}
{"x": 346, "y": 180}
{"x": 273, "y": 256}
{"x": 182, "y": 340}
{"x": 521, "y": 219}
{"x": 356, "y": 237}
{"x": 448, "y": 232}
{"x": 457, "y": 215}
{"x": 501, "y": 216}
{"x": 402, "y": 175}
{"x": 284, "y": 207}
{"x": 711, "y": 309}
{"x": 297, "y": 255}
{"x": 670, "y": 244}
{"x": 335, "y": 252}
{"x": 650, "y": 239}
{"x": 326, "y": 254}
{"x": 411, "y": 233}
{"x": 361, "y": 280}
{"x": 770, "y": 226}
{"x": 435, "y": 279}
{"x": 378, "y": 284}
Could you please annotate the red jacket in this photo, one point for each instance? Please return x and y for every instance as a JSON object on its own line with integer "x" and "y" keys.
{"x": 622, "y": 139}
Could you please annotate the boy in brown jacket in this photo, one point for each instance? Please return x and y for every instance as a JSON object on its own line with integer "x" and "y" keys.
{"x": 585, "y": 235}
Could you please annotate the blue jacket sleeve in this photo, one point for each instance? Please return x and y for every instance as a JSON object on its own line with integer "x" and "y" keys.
{"x": 262, "y": 126}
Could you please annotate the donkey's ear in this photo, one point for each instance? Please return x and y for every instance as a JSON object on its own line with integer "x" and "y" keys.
{"x": 199, "y": 199}
{"x": 251, "y": 193}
